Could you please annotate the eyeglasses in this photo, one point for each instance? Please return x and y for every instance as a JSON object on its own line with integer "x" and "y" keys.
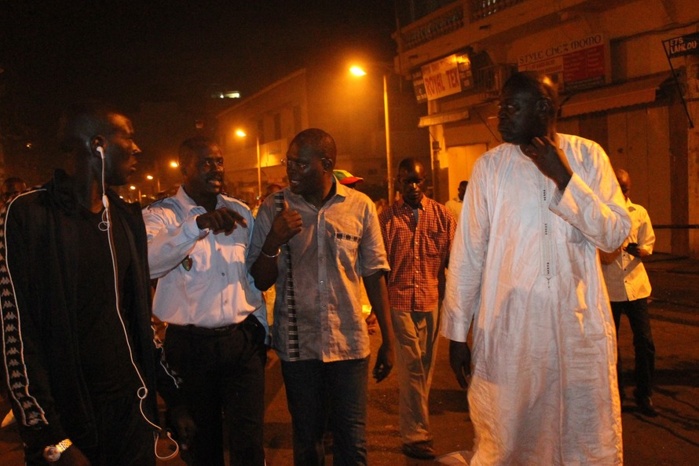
{"x": 295, "y": 164}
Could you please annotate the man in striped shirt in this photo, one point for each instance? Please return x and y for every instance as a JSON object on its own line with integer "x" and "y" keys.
{"x": 418, "y": 233}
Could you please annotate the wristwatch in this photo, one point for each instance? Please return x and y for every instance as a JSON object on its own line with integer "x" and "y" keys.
{"x": 52, "y": 453}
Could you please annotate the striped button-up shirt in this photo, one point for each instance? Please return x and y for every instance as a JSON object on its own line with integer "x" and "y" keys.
{"x": 338, "y": 245}
{"x": 417, "y": 243}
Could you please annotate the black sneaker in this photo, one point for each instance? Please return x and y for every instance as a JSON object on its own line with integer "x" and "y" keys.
{"x": 645, "y": 406}
{"x": 419, "y": 450}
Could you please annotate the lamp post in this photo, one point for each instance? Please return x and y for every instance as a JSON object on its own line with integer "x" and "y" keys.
{"x": 157, "y": 182}
{"x": 241, "y": 134}
{"x": 359, "y": 71}
{"x": 389, "y": 162}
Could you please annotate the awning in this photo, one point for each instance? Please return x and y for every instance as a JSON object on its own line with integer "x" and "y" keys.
{"x": 622, "y": 95}
{"x": 442, "y": 118}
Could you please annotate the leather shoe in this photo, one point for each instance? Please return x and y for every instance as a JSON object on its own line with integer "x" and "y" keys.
{"x": 419, "y": 450}
{"x": 645, "y": 406}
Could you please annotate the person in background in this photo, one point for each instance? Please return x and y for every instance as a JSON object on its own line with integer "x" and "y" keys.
{"x": 269, "y": 190}
{"x": 381, "y": 205}
{"x": 12, "y": 187}
{"x": 217, "y": 320}
{"x": 318, "y": 242}
{"x": 629, "y": 288}
{"x": 524, "y": 273}
{"x": 418, "y": 233}
{"x": 454, "y": 205}
{"x": 77, "y": 342}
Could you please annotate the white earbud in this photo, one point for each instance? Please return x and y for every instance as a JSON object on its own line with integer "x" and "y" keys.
{"x": 101, "y": 151}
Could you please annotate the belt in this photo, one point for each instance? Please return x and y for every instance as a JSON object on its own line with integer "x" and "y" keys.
{"x": 209, "y": 332}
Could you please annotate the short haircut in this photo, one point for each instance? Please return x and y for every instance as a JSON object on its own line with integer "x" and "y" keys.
{"x": 318, "y": 141}
{"x": 81, "y": 121}
{"x": 194, "y": 147}
{"x": 408, "y": 163}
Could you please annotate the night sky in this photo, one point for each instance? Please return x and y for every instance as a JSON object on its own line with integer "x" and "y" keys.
{"x": 128, "y": 52}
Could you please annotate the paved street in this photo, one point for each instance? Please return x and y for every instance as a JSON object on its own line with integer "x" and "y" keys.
{"x": 670, "y": 439}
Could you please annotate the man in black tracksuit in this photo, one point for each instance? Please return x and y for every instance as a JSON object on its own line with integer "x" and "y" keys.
{"x": 77, "y": 342}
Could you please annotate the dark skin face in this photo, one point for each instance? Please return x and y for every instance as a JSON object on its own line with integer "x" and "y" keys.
{"x": 309, "y": 174}
{"x": 203, "y": 176}
{"x": 462, "y": 190}
{"x": 526, "y": 120}
{"x": 520, "y": 116}
{"x": 624, "y": 182}
{"x": 203, "y": 182}
{"x": 411, "y": 182}
{"x": 120, "y": 151}
{"x": 114, "y": 138}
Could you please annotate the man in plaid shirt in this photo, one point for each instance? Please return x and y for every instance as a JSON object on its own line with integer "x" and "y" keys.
{"x": 418, "y": 233}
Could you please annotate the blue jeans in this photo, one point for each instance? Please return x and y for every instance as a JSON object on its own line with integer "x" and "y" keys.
{"x": 644, "y": 348}
{"x": 319, "y": 392}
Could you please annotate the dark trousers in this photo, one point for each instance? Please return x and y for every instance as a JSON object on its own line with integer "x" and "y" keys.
{"x": 336, "y": 391}
{"x": 644, "y": 349}
{"x": 222, "y": 372}
{"x": 124, "y": 436}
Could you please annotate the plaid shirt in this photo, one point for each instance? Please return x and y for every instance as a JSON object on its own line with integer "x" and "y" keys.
{"x": 418, "y": 252}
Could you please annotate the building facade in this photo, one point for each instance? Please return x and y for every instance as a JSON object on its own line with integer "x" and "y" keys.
{"x": 326, "y": 97}
{"x": 628, "y": 74}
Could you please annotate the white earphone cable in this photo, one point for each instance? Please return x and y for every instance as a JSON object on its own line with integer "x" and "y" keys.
{"x": 142, "y": 392}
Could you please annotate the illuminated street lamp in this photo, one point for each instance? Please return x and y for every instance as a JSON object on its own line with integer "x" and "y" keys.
{"x": 359, "y": 71}
{"x": 134, "y": 188}
{"x": 242, "y": 134}
{"x": 157, "y": 181}
{"x": 161, "y": 172}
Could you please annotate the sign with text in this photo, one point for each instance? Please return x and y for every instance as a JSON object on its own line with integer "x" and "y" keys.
{"x": 575, "y": 64}
{"x": 419, "y": 86}
{"x": 681, "y": 46}
{"x": 447, "y": 76}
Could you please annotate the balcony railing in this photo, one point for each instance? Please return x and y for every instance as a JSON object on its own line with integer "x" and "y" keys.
{"x": 483, "y": 8}
{"x": 488, "y": 80}
{"x": 440, "y": 25}
{"x": 449, "y": 19}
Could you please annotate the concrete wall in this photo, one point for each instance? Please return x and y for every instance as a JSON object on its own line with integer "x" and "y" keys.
{"x": 652, "y": 141}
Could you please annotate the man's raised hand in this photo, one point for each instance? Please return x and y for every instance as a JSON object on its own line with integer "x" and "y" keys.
{"x": 221, "y": 220}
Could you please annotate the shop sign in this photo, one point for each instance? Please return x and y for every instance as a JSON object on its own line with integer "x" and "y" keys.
{"x": 447, "y": 76}
{"x": 575, "y": 64}
{"x": 681, "y": 46}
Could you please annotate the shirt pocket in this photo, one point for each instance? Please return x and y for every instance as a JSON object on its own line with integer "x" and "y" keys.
{"x": 434, "y": 243}
{"x": 345, "y": 248}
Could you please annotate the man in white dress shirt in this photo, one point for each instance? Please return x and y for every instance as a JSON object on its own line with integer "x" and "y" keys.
{"x": 524, "y": 274}
{"x": 197, "y": 245}
{"x": 629, "y": 289}
{"x": 454, "y": 205}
